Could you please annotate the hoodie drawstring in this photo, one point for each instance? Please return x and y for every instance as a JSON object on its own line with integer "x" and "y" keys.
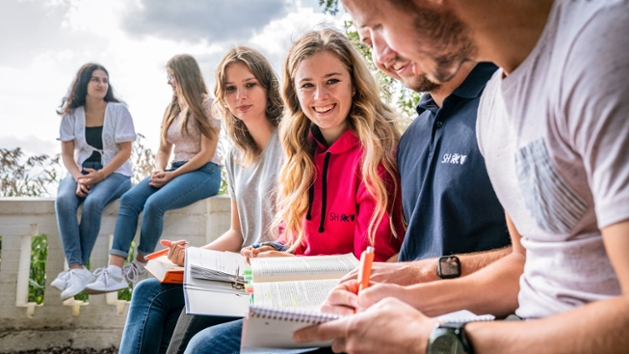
{"x": 310, "y": 198}
{"x": 324, "y": 189}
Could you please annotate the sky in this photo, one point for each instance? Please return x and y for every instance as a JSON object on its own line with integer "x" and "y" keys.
{"x": 45, "y": 42}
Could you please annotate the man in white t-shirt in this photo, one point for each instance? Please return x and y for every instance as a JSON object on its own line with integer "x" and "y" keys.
{"x": 554, "y": 131}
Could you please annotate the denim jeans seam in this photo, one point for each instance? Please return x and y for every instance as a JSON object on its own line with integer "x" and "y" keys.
{"x": 145, "y": 321}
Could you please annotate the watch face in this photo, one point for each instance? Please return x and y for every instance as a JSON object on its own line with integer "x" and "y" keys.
{"x": 449, "y": 267}
{"x": 446, "y": 343}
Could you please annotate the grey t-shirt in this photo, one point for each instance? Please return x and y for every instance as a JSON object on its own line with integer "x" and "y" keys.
{"x": 555, "y": 136}
{"x": 253, "y": 188}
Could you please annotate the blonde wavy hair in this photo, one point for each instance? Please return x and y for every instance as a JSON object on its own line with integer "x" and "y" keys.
{"x": 374, "y": 123}
{"x": 263, "y": 72}
{"x": 190, "y": 89}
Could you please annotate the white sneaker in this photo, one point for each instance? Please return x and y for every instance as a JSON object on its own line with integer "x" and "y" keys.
{"x": 61, "y": 281}
{"x": 76, "y": 281}
{"x": 133, "y": 271}
{"x": 106, "y": 282}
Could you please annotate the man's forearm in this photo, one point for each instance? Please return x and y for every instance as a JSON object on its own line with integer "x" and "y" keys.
{"x": 426, "y": 269}
{"x": 472, "y": 262}
{"x": 493, "y": 289}
{"x": 599, "y": 327}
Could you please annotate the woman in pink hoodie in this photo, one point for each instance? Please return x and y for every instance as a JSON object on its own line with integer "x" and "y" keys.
{"x": 338, "y": 188}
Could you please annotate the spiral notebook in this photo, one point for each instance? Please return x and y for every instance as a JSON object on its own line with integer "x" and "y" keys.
{"x": 270, "y": 329}
{"x": 273, "y": 328}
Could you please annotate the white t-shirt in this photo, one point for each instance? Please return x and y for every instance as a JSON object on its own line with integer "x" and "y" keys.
{"x": 555, "y": 136}
{"x": 117, "y": 128}
{"x": 253, "y": 188}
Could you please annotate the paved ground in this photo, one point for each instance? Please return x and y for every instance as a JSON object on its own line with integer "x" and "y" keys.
{"x": 67, "y": 351}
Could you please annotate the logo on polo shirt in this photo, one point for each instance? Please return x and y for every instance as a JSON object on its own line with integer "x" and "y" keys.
{"x": 456, "y": 159}
{"x": 342, "y": 217}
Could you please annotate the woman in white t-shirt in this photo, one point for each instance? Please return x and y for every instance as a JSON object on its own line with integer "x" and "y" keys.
{"x": 96, "y": 134}
{"x": 249, "y": 102}
{"x": 190, "y": 133}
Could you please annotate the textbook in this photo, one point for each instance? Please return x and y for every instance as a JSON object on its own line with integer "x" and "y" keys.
{"x": 212, "y": 283}
{"x": 278, "y": 282}
{"x": 268, "y": 329}
{"x": 297, "y": 282}
{"x": 165, "y": 271}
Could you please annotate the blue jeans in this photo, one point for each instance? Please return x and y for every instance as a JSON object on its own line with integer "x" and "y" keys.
{"x": 78, "y": 238}
{"x": 156, "y": 322}
{"x": 225, "y": 338}
{"x": 179, "y": 192}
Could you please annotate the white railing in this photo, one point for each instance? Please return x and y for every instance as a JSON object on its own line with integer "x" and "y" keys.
{"x": 97, "y": 323}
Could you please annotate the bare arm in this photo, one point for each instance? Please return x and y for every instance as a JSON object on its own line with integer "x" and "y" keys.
{"x": 67, "y": 157}
{"x": 232, "y": 239}
{"x": 425, "y": 270}
{"x": 208, "y": 148}
{"x": 95, "y": 176}
{"x": 498, "y": 283}
{"x": 599, "y": 327}
{"x": 162, "y": 156}
{"x": 121, "y": 157}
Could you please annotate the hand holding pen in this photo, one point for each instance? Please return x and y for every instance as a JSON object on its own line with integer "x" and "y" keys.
{"x": 176, "y": 251}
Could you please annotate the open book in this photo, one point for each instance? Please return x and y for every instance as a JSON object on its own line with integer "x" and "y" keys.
{"x": 210, "y": 283}
{"x": 165, "y": 271}
{"x": 297, "y": 282}
{"x": 268, "y": 329}
{"x": 279, "y": 282}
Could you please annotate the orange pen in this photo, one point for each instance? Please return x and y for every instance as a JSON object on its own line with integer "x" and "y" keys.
{"x": 160, "y": 253}
{"x": 156, "y": 254}
{"x": 364, "y": 273}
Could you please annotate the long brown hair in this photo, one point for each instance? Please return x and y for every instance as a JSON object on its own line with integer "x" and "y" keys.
{"x": 263, "y": 72}
{"x": 190, "y": 89}
{"x": 374, "y": 123}
{"x": 78, "y": 89}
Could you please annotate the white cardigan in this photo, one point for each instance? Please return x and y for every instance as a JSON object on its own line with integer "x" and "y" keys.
{"x": 117, "y": 128}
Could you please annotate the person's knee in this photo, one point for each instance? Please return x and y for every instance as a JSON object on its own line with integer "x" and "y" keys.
{"x": 153, "y": 208}
{"x": 130, "y": 202}
{"x": 92, "y": 206}
{"x": 146, "y": 289}
{"x": 65, "y": 203}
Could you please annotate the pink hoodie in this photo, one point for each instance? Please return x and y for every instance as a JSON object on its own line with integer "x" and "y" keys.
{"x": 339, "y": 194}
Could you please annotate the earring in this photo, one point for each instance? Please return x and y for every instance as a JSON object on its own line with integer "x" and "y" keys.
{"x": 353, "y": 92}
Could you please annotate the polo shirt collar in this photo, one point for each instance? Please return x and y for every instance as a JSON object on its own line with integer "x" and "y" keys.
{"x": 470, "y": 88}
{"x": 474, "y": 83}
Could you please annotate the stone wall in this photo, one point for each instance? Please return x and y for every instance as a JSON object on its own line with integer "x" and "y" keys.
{"x": 95, "y": 324}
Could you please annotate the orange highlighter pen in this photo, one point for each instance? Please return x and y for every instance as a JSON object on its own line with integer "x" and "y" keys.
{"x": 364, "y": 273}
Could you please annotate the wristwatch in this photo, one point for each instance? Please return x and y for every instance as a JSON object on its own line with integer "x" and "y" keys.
{"x": 449, "y": 338}
{"x": 449, "y": 267}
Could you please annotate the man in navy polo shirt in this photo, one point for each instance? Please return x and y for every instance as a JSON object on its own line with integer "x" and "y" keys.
{"x": 449, "y": 203}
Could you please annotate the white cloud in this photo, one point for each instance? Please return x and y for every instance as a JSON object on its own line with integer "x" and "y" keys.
{"x": 92, "y": 30}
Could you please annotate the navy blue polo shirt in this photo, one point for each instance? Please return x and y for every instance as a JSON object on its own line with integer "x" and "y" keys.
{"x": 448, "y": 201}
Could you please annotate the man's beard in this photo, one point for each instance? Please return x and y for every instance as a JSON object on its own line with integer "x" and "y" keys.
{"x": 448, "y": 39}
{"x": 420, "y": 83}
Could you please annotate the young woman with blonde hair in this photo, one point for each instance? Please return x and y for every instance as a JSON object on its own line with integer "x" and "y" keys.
{"x": 338, "y": 187}
{"x": 249, "y": 102}
{"x": 190, "y": 133}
